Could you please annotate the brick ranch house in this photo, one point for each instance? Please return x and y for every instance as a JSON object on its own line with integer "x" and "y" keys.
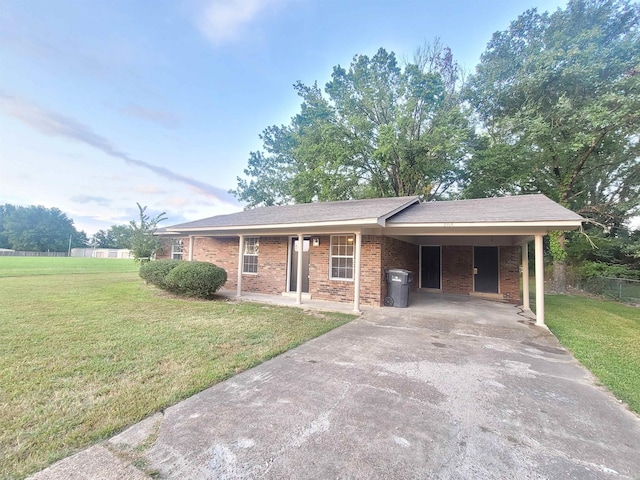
{"x": 471, "y": 247}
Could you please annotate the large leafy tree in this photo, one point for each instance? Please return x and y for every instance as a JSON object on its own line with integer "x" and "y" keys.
{"x": 377, "y": 129}
{"x": 40, "y": 229}
{"x": 5, "y": 211}
{"x": 117, "y": 236}
{"x": 558, "y": 97}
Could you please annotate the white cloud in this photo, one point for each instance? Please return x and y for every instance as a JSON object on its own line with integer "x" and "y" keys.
{"x": 223, "y": 21}
{"x": 54, "y": 124}
{"x": 161, "y": 117}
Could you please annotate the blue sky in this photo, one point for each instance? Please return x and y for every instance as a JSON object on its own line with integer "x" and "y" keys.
{"x": 107, "y": 103}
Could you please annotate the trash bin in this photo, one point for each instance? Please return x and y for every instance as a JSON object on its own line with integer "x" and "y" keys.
{"x": 398, "y": 282}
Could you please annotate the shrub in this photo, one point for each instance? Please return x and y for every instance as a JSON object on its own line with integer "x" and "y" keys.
{"x": 195, "y": 279}
{"x": 599, "y": 269}
{"x": 155, "y": 272}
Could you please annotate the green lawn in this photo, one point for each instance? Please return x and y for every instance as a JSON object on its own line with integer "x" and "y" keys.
{"x": 21, "y": 266}
{"x": 604, "y": 336}
{"x": 88, "y": 349}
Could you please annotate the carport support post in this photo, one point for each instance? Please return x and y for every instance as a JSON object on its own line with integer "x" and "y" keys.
{"x": 356, "y": 274}
{"x": 191, "y": 248}
{"x": 525, "y": 276}
{"x": 539, "y": 282}
{"x": 240, "y": 259}
{"x": 299, "y": 270}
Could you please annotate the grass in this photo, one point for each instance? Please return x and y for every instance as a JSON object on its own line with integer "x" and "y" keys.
{"x": 29, "y": 266}
{"x": 88, "y": 349}
{"x": 604, "y": 336}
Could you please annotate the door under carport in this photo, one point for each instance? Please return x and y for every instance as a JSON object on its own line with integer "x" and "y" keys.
{"x": 485, "y": 269}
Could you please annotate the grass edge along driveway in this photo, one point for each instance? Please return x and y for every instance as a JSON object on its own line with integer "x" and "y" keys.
{"x": 604, "y": 336}
{"x": 90, "y": 351}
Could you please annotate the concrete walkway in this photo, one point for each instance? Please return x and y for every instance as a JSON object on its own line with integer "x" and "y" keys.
{"x": 459, "y": 388}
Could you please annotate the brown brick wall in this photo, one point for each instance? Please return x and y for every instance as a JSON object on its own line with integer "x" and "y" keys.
{"x": 378, "y": 253}
{"x": 510, "y": 258}
{"x": 320, "y": 286}
{"x": 185, "y": 248}
{"x": 457, "y": 269}
{"x": 398, "y": 254}
{"x": 164, "y": 252}
{"x": 221, "y": 251}
{"x": 323, "y": 288}
{"x": 272, "y": 266}
{"x": 371, "y": 280}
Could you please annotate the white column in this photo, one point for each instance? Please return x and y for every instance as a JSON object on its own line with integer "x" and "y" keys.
{"x": 525, "y": 276}
{"x": 539, "y": 282}
{"x": 191, "y": 242}
{"x": 240, "y": 257}
{"x": 356, "y": 273}
{"x": 299, "y": 271}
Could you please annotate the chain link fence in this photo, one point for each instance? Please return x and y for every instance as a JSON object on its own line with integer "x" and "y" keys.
{"x": 621, "y": 289}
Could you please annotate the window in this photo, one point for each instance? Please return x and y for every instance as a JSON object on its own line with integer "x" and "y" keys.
{"x": 177, "y": 248}
{"x": 250, "y": 257}
{"x": 342, "y": 257}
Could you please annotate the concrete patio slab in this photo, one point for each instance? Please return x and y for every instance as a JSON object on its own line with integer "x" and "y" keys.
{"x": 452, "y": 388}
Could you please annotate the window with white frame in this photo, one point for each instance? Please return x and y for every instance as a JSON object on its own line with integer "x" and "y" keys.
{"x": 342, "y": 257}
{"x": 250, "y": 256}
{"x": 177, "y": 248}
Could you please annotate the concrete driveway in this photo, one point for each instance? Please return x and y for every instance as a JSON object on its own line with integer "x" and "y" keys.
{"x": 453, "y": 388}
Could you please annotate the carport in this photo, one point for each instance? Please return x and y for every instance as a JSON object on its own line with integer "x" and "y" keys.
{"x": 481, "y": 247}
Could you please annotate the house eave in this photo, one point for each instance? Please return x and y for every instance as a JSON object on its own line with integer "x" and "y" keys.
{"x": 552, "y": 224}
{"x": 474, "y": 229}
{"x": 280, "y": 229}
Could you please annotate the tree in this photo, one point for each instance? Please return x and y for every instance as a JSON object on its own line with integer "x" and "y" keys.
{"x": 558, "y": 97}
{"x": 102, "y": 239}
{"x": 143, "y": 243}
{"x": 5, "y": 211}
{"x": 40, "y": 229}
{"x": 117, "y": 236}
{"x": 121, "y": 235}
{"x": 379, "y": 129}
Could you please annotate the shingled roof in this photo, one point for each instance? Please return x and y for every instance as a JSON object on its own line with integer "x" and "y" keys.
{"x": 367, "y": 211}
{"x": 397, "y": 212}
{"x": 521, "y": 208}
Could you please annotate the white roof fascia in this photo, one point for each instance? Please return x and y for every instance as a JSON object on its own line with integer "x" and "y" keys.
{"x": 538, "y": 224}
{"x": 283, "y": 226}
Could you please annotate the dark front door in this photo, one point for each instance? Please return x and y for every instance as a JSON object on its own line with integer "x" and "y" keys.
{"x": 485, "y": 264}
{"x": 430, "y": 268}
{"x": 293, "y": 282}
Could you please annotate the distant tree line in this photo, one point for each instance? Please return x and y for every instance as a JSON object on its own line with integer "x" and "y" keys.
{"x": 40, "y": 229}
{"x": 553, "y": 107}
